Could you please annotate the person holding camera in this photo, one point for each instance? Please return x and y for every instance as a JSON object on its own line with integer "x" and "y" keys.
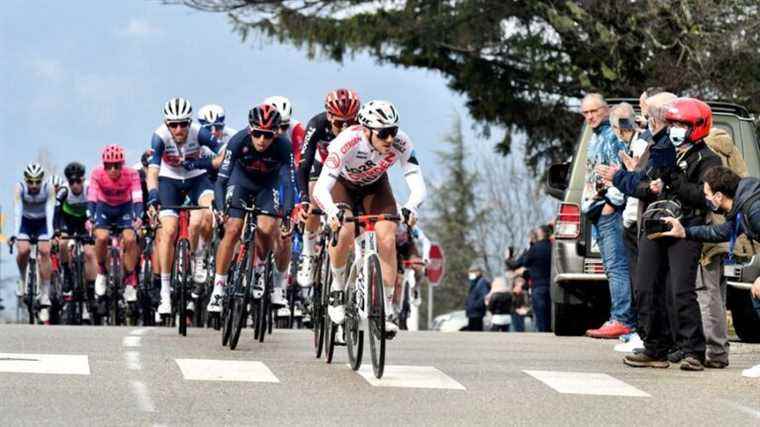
{"x": 667, "y": 266}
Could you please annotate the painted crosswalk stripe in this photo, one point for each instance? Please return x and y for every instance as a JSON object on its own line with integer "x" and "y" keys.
{"x": 131, "y": 341}
{"x": 410, "y": 377}
{"x": 225, "y": 370}
{"x": 596, "y": 384}
{"x": 63, "y": 364}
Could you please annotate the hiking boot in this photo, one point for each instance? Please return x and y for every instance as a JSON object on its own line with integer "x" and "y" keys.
{"x": 642, "y": 360}
{"x": 676, "y": 355}
{"x": 691, "y": 363}
{"x": 715, "y": 364}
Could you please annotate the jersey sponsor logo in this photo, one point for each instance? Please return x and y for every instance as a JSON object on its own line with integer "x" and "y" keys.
{"x": 399, "y": 145}
{"x": 350, "y": 144}
{"x": 369, "y": 171}
{"x": 307, "y": 138}
{"x": 333, "y": 161}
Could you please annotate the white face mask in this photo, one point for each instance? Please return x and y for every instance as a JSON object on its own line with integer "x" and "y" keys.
{"x": 678, "y": 135}
{"x": 472, "y": 276}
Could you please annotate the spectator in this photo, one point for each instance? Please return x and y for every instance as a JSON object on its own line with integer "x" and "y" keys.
{"x": 520, "y": 306}
{"x": 537, "y": 262}
{"x": 621, "y": 119}
{"x": 475, "y": 307}
{"x": 603, "y": 206}
{"x": 667, "y": 266}
{"x": 499, "y": 303}
{"x": 739, "y": 200}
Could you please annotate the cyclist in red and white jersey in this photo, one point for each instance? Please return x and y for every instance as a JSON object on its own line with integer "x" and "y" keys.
{"x": 354, "y": 176}
{"x": 341, "y": 107}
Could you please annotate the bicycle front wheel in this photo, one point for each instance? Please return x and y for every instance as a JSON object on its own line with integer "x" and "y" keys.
{"x": 376, "y": 315}
{"x": 31, "y": 289}
{"x": 351, "y": 325}
{"x": 182, "y": 277}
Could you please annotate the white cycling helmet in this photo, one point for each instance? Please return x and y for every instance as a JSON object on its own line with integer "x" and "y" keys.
{"x": 178, "y": 110}
{"x": 378, "y": 115}
{"x": 34, "y": 171}
{"x": 211, "y": 114}
{"x": 283, "y": 106}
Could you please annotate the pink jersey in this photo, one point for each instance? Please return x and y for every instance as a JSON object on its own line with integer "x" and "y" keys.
{"x": 126, "y": 189}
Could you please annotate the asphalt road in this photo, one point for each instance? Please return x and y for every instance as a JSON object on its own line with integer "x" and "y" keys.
{"x": 152, "y": 376}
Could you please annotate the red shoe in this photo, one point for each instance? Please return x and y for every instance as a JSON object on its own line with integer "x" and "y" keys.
{"x": 610, "y": 330}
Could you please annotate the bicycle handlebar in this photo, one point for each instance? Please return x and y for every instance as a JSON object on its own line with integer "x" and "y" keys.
{"x": 256, "y": 211}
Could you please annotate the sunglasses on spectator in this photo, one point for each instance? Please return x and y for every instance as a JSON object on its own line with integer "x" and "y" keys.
{"x": 256, "y": 133}
{"x": 34, "y": 182}
{"x": 109, "y": 166}
{"x": 386, "y": 132}
{"x": 175, "y": 125}
{"x": 75, "y": 181}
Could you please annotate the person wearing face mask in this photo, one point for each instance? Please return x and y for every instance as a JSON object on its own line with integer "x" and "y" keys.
{"x": 475, "y": 307}
{"x": 537, "y": 260}
{"x": 738, "y": 199}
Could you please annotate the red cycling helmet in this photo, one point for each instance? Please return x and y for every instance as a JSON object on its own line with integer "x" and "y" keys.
{"x": 693, "y": 112}
{"x": 342, "y": 104}
{"x": 113, "y": 154}
{"x": 264, "y": 117}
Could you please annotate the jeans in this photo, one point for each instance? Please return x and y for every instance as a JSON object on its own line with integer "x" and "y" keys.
{"x": 542, "y": 306}
{"x": 609, "y": 234}
{"x": 518, "y": 323}
{"x": 475, "y": 324}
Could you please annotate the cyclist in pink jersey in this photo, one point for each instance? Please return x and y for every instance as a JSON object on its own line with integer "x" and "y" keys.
{"x": 114, "y": 200}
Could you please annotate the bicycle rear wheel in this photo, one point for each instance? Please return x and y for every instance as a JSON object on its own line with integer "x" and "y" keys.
{"x": 376, "y": 315}
{"x": 183, "y": 276}
{"x": 351, "y": 325}
{"x": 31, "y": 285}
{"x": 318, "y": 301}
{"x": 264, "y": 322}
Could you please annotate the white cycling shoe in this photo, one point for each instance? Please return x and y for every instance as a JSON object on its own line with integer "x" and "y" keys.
{"x": 166, "y": 305}
{"x": 305, "y": 276}
{"x": 277, "y": 297}
{"x": 130, "y": 293}
{"x": 44, "y": 316}
{"x": 100, "y": 285}
{"x": 44, "y": 300}
{"x": 200, "y": 274}
{"x": 391, "y": 329}
{"x": 337, "y": 313}
{"x": 215, "y": 301}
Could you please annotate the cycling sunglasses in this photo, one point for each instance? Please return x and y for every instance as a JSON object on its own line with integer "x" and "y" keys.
{"x": 216, "y": 127}
{"x": 34, "y": 182}
{"x": 386, "y": 132}
{"x": 175, "y": 125}
{"x": 342, "y": 124}
{"x": 75, "y": 181}
{"x": 256, "y": 133}
{"x": 115, "y": 166}
{"x": 284, "y": 127}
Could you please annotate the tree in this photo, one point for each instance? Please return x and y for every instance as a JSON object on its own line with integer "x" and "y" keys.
{"x": 524, "y": 64}
{"x": 449, "y": 220}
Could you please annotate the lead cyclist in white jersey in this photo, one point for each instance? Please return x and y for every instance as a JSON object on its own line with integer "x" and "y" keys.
{"x": 354, "y": 175}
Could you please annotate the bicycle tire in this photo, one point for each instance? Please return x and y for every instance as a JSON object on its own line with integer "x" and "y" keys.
{"x": 144, "y": 296}
{"x": 376, "y": 315}
{"x": 351, "y": 326}
{"x": 265, "y": 307}
{"x": 317, "y": 303}
{"x": 403, "y": 314}
{"x": 79, "y": 291}
{"x": 114, "y": 283}
{"x": 226, "y": 313}
{"x": 239, "y": 299}
{"x": 330, "y": 328}
{"x": 31, "y": 271}
{"x": 182, "y": 257}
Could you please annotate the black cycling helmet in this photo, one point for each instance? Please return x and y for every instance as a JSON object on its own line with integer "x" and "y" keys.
{"x": 264, "y": 117}
{"x": 74, "y": 170}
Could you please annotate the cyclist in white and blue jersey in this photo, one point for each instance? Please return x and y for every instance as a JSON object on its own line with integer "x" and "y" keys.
{"x": 176, "y": 171}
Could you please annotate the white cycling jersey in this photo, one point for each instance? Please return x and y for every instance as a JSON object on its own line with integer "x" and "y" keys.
{"x": 168, "y": 155}
{"x": 33, "y": 206}
{"x": 351, "y": 157}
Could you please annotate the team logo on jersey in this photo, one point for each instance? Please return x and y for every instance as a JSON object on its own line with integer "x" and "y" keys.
{"x": 333, "y": 161}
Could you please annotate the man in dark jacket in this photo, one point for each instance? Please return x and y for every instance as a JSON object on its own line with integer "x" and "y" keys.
{"x": 537, "y": 260}
{"x": 475, "y": 307}
{"x": 669, "y": 266}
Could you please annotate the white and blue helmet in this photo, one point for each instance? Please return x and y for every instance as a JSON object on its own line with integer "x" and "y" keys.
{"x": 178, "y": 110}
{"x": 283, "y": 106}
{"x": 211, "y": 114}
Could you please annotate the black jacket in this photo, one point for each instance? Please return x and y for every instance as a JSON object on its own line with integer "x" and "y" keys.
{"x": 476, "y": 299}
{"x": 746, "y": 202}
{"x": 685, "y": 184}
{"x": 538, "y": 261}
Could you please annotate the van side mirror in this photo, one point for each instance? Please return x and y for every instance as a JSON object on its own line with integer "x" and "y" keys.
{"x": 557, "y": 180}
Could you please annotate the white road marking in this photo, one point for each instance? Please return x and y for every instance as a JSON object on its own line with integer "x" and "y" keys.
{"x": 131, "y": 341}
{"x": 133, "y": 360}
{"x": 65, "y": 364}
{"x": 596, "y": 384}
{"x": 225, "y": 370}
{"x": 139, "y": 331}
{"x": 749, "y": 411}
{"x": 143, "y": 399}
{"x": 410, "y": 377}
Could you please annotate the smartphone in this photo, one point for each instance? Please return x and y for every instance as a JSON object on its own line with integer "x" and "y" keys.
{"x": 652, "y": 226}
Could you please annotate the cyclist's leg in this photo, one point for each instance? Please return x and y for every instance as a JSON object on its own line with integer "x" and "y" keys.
{"x": 102, "y": 236}
{"x": 170, "y": 194}
{"x": 310, "y": 234}
{"x": 202, "y": 194}
{"x": 23, "y": 249}
{"x": 339, "y": 254}
{"x": 129, "y": 259}
{"x": 226, "y": 248}
{"x": 283, "y": 255}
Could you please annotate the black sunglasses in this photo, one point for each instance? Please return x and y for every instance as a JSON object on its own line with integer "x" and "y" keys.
{"x": 341, "y": 124}
{"x": 285, "y": 127}
{"x": 108, "y": 166}
{"x": 386, "y": 132}
{"x": 34, "y": 182}
{"x": 262, "y": 133}
{"x": 175, "y": 125}
{"x": 75, "y": 181}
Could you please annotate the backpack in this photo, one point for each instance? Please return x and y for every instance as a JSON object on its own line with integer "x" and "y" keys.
{"x": 719, "y": 141}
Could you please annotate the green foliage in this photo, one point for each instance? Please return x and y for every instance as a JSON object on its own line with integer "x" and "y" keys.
{"x": 523, "y": 64}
